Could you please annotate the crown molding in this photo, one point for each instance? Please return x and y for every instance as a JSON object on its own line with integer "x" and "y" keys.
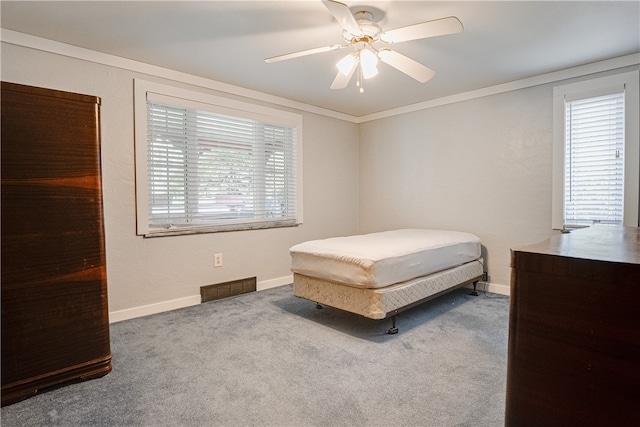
{"x": 565, "y": 74}
{"x": 76, "y": 52}
{"x": 51, "y": 46}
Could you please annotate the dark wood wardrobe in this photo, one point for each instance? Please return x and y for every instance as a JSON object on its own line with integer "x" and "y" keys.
{"x": 55, "y": 323}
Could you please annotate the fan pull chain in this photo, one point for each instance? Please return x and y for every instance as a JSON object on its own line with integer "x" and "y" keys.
{"x": 359, "y": 78}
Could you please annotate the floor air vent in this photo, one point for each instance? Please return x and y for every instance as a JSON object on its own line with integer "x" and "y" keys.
{"x": 227, "y": 289}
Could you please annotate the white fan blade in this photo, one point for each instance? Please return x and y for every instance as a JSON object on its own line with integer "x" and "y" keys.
{"x": 437, "y": 27}
{"x": 342, "y": 80}
{"x": 343, "y": 15}
{"x": 304, "y": 53}
{"x": 407, "y": 65}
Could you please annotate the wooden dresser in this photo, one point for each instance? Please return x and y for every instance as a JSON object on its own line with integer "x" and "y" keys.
{"x": 55, "y": 325}
{"x": 574, "y": 330}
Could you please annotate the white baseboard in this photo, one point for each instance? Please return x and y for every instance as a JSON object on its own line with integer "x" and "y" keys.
{"x": 495, "y": 288}
{"x": 274, "y": 283}
{"x": 146, "y": 310}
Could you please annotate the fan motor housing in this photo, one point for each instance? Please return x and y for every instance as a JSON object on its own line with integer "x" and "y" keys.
{"x": 370, "y": 31}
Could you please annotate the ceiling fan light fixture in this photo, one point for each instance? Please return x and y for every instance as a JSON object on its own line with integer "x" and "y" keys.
{"x": 361, "y": 32}
{"x": 347, "y": 64}
{"x": 369, "y": 63}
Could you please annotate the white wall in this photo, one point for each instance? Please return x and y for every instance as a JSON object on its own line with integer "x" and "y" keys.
{"x": 483, "y": 165}
{"x": 150, "y": 275}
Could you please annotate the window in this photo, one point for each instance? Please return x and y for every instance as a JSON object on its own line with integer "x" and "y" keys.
{"x": 596, "y": 152}
{"x": 207, "y": 164}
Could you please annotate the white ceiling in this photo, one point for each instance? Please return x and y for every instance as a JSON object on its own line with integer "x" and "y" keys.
{"x": 227, "y": 41}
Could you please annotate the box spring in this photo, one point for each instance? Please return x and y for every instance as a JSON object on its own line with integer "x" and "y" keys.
{"x": 379, "y": 303}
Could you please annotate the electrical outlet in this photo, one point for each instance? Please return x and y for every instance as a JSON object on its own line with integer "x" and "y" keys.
{"x": 217, "y": 260}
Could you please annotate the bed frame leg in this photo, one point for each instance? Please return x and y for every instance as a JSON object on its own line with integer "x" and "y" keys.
{"x": 474, "y": 292}
{"x": 393, "y": 329}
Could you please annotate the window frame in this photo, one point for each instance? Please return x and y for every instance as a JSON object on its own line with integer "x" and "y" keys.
{"x": 629, "y": 81}
{"x": 199, "y": 100}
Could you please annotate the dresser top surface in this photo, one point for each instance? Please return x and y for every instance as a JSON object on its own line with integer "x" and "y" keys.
{"x": 598, "y": 242}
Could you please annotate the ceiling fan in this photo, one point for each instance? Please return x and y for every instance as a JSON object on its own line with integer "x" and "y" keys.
{"x": 365, "y": 36}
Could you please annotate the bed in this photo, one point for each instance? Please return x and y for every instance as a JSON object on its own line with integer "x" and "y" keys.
{"x": 378, "y": 275}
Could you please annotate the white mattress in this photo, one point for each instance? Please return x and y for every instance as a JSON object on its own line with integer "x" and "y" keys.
{"x": 379, "y": 303}
{"x": 380, "y": 259}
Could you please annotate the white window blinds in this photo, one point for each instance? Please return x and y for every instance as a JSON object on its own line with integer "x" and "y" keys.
{"x": 594, "y": 160}
{"x": 208, "y": 171}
